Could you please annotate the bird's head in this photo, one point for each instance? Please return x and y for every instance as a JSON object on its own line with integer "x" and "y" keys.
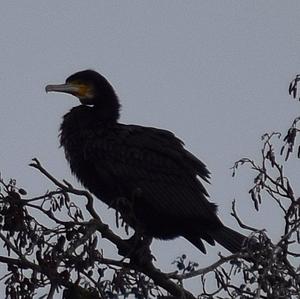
{"x": 88, "y": 86}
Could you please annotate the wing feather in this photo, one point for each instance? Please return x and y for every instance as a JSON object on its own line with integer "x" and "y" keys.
{"x": 155, "y": 161}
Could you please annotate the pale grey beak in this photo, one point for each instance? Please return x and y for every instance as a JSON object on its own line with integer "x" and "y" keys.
{"x": 67, "y": 87}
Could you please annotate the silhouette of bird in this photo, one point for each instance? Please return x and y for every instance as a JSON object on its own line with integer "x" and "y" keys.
{"x": 145, "y": 173}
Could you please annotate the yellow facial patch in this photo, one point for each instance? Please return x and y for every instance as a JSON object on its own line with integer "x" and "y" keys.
{"x": 83, "y": 90}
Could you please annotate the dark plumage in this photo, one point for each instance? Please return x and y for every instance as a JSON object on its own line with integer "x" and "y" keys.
{"x": 145, "y": 173}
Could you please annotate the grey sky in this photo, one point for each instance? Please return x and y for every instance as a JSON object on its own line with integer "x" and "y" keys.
{"x": 214, "y": 72}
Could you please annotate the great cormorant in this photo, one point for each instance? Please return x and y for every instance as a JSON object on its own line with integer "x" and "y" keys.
{"x": 145, "y": 173}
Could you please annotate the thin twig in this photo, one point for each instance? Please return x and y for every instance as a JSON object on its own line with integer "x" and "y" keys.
{"x": 241, "y": 224}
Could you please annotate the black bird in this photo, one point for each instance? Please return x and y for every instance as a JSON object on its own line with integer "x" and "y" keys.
{"x": 145, "y": 173}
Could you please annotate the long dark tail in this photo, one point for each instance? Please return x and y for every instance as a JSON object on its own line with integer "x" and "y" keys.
{"x": 228, "y": 238}
{"x": 225, "y": 236}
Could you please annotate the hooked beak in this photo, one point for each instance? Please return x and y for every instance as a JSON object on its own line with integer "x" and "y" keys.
{"x": 67, "y": 88}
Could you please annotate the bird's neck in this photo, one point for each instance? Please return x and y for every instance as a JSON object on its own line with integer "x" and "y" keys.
{"x": 82, "y": 116}
{"x": 107, "y": 113}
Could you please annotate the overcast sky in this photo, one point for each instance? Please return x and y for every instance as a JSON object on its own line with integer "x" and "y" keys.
{"x": 215, "y": 73}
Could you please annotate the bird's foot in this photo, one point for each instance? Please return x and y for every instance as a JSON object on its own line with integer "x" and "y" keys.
{"x": 137, "y": 249}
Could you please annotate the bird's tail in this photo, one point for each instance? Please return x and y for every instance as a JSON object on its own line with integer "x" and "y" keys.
{"x": 228, "y": 238}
